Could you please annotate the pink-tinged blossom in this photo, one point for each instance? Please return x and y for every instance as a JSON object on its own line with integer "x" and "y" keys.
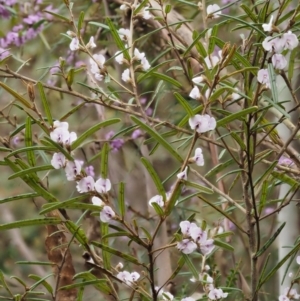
{"x": 268, "y": 26}
{"x": 71, "y": 138}
{"x": 126, "y": 76}
{"x": 186, "y": 246}
{"x": 183, "y": 175}
{"x": 124, "y": 34}
{"x": 290, "y": 40}
{"x": 127, "y": 277}
{"x": 285, "y": 161}
{"x": 263, "y": 77}
{"x": 186, "y": 227}
{"x": 211, "y": 61}
{"x": 135, "y": 276}
{"x": 138, "y": 55}
{"x": 103, "y": 185}
{"x": 60, "y": 135}
{"x": 74, "y": 45}
{"x": 119, "y": 57}
{"x": 96, "y": 65}
{"x": 197, "y": 79}
{"x": 289, "y": 294}
{"x": 198, "y": 158}
{"x": 3, "y": 52}
{"x": 202, "y": 123}
{"x": 207, "y": 246}
{"x": 216, "y": 294}
{"x": 195, "y": 93}
{"x": 273, "y": 44}
{"x": 158, "y": 199}
{"x": 107, "y": 214}
{"x": 91, "y": 43}
{"x": 198, "y": 235}
{"x": 97, "y": 201}
{"x": 213, "y": 11}
{"x": 60, "y": 124}
{"x": 136, "y": 134}
{"x": 58, "y": 160}
{"x": 90, "y": 170}
{"x": 279, "y": 61}
{"x": 86, "y": 184}
{"x": 145, "y": 64}
{"x": 283, "y": 298}
{"x": 72, "y": 169}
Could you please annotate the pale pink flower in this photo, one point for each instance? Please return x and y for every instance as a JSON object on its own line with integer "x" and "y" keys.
{"x": 198, "y": 158}
{"x": 103, "y": 185}
{"x": 72, "y": 169}
{"x": 263, "y": 77}
{"x": 273, "y": 44}
{"x": 188, "y": 299}
{"x": 86, "y": 184}
{"x": 182, "y": 175}
{"x": 268, "y": 26}
{"x": 198, "y": 235}
{"x": 186, "y": 246}
{"x": 202, "y": 123}
{"x": 158, "y": 199}
{"x": 58, "y": 160}
{"x": 213, "y": 11}
{"x": 186, "y": 227}
{"x": 107, "y": 214}
{"x": 290, "y": 40}
{"x": 279, "y": 61}
{"x": 207, "y": 246}
{"x": 195, "y": 93}
{"x": 70, "y": 139}
{"x": 97, "y": 201}
{"x": 60, "y": 135}
{"x": 74, "y": 45}
{"x": 217, "y": 293}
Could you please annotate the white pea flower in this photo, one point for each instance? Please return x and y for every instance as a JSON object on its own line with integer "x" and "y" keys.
{"x": 263, "y": 77}
{"x": 119, "y": 57}
{"x": 97, "y": 63}
{"x": 86, "y": 184}
{"x": 202, "y": 123}
{"x": 146, "y": 15}
{"x": 279, "y": 61}
{"x": 60, "y": 135}
{"x": 298, "y": 260}
{"x": 97, "y": 201}
{"x": 197, "y": 79}
{"x": 70, "y": 138}
{"x": 60, "y": 124}
{"x": 123, "y": 7}
{"x": 195, "y": 93}
{"x": 138, "y": 55}
{"x": 273, "y": 44}
{"x": 188, "y": 299}
{"x": 211, "y": 61}
{"x": 58, "y": 160}
{"x": 182, "y": 175}
{"x": 186, "y": 246}
{"x": 145, "y": 64}
{"x": 91, "y": 43}
{"x": 290, "y": 40}
{"x": 207, "y": 246}
{"x": 213, "y": 11}
{"x": 135, "y": 276}
{"x": 198, "y": 235}
{"x": 125, "y": 277}
{"x": 106, "y": 214}
{"x": 217, "y": 293}
{"x": 124, "y": 34}
{"x": 126, "y": 76}
{"x": 198, "y": 158}
{"x": 268, "y": 27}
{"x": 186, "y": 227}
{"x": 74, "y": 45}
{"x": 72, "y": 169}
{"x": 158, "y": 199}
{"x": 103, "y": 185}
{"x": 283, "y": 298}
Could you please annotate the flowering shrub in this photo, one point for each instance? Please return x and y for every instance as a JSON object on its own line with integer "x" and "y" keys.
{"x": 153, "y": 152}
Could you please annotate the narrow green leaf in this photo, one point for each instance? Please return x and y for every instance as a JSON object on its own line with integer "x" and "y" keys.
{"x": 58, "y": 147}
{"x": 199, "y": 187}
{"x": 92, "y": 130}
{"x": 223, "y": 245}
{"x": 192, "y": 268}
{"x": 168, "y": 8}
{"x": 211, "y": 45}
{"x": 104, "y": 160}
{"x": 57, "y": 16}
{"x": 266, "y": 174}
{"x": 16, "y": 95}
{"x": 87, "y": 276}
{"x": 158, "y": 138}
{"x": 217, "y": 93}
{"x": 31, "y": 222}
{"x": 45, "y": 103}
{"x": 84, "y": 283}
{"x": 218, "y": 168}
{"x": 269, "y": 241}
{"x": 285, "y": 178}
{"x": 117, "y": 39}
{"x": 238, "y": 139}
{"x": 292, "y": 58}
{"x": 28, "y": 142}
{"x": 5, "y": 149}
{"x": 139, "y": 8}
{"x": 77, "y": 232}
{"x": 165, "y": 78}
{"x": 41, "y": 281}
{"x": 249, "y": 13}
{"x": 30, "y": 171}
{"x": 263, "y": 197}
{"x": 184, "y": 104}
{"x": 19, "y": 197}
{"x": 31, "y": 148}
{"x": 118, "y": 253}
{"x": 272, "y": 77}
{"x": 195, "y": 41}
{"x": 104, "y": 240}
{"x": 158, "y": 209}
{"x": 70, "y": 77}
{"x": 157, "y": 181}
{"x": 20, "y": 281}
{"x": 3, "y": 282}
{"x": 34, "y": 262}
{"x": 235, "y": 116}
{"x": 121, "y": 199}
{"x": 80, "y": 22}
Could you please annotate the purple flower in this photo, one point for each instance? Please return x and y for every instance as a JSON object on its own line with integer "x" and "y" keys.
{"x": 136, "y": 134}
{"x": 116, "y": 144}
{"x": 90, "y": 170}
{"x": 285, "y": 161}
